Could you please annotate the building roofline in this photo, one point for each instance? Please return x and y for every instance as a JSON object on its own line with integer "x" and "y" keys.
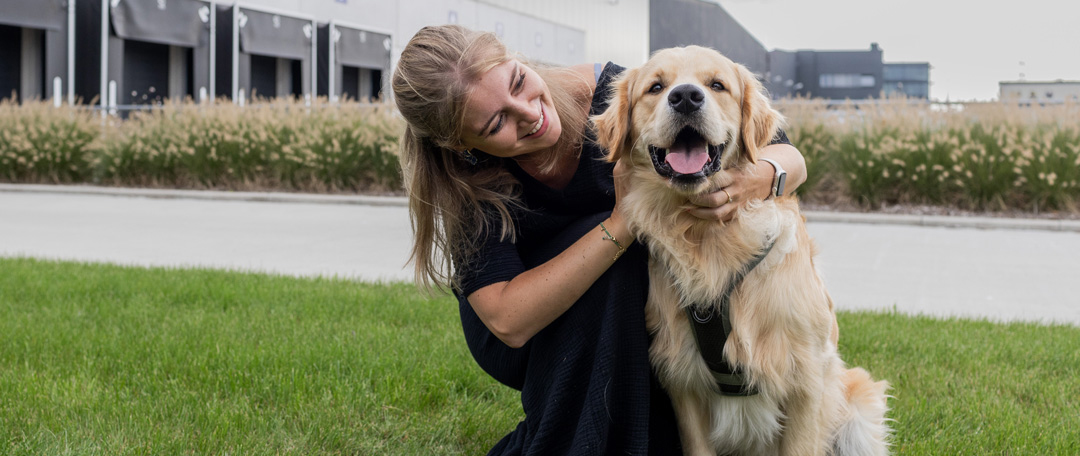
{"x": 1057, "y": 81}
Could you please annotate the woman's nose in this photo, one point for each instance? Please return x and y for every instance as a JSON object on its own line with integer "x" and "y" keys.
{"x": 527, "y": 111}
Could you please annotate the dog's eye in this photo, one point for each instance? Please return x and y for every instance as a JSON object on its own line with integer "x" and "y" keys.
{"x": 656, "y": 88}
{"x": 717, "y": 86}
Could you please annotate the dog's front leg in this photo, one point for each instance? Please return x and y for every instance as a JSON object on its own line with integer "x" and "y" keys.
{"x": 693, "y": 416}
{"x": 804, "y": 431}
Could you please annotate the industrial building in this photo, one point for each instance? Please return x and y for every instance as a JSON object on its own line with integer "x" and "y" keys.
{"x": 133, "y": 52}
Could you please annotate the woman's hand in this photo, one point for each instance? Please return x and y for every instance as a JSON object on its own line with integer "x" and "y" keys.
{"x": 752, "y": 182}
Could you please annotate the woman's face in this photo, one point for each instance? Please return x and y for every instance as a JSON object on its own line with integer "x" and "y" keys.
{"x": 509, "y": 112}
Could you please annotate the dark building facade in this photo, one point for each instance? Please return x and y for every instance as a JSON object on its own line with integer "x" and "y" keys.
{"x": 907, "y": 79}
{"x": 839, "y": 75}
{"x": 827, "y": 74}
{"x": 674, "y": 23}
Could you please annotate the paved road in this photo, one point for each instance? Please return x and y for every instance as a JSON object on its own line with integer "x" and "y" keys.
{"x": 346, "y": 240}
{"x": 1003, "y": 274}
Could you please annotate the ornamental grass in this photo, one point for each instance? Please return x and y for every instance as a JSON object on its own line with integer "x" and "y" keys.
{"x": 979, "y": 156}
{"x": 268, "y": 145}
{"x": 975, "y": 156}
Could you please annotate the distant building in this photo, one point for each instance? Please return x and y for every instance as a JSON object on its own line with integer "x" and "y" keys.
{"x": 1046, "y": 92}
{"x": 839, "y": 75}
{"x": 674, "y": 23}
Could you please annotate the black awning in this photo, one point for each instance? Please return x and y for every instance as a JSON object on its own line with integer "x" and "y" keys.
{"x": 173, "y": 22}
{"x": 275, "y": 35}
{"x": 40, "y": 14}
{"x": 362, "y": 48}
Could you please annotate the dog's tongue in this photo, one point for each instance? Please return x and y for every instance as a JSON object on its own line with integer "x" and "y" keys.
{"x": 688, "y": 159}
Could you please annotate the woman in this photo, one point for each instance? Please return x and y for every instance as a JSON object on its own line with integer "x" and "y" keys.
{"x": 515, "y": 210}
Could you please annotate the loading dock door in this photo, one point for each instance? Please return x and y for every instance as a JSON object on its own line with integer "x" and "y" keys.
{"x": 10, "y": 61}
{"x": 160, "y": 41}
{"x": 364, "y": 56}
{"x": 280, "y": 53}
{"x": 33, "y": 49}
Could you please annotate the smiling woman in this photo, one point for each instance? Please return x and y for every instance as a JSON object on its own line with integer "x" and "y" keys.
{"x": 515, "y": 209}
{"x": 509, "y": 113}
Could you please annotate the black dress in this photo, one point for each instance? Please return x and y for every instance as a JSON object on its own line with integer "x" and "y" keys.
{"x": 585, "y": 380}
{"x": 586, "y": 384}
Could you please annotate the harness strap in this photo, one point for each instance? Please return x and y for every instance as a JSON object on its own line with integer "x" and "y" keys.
{"x": 712, "y": 326}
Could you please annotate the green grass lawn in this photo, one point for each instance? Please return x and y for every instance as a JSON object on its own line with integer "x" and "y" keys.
{"x": 111, "y": 360}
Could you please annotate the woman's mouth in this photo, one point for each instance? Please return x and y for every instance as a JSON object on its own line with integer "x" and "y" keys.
{"x": 541, "y": 125}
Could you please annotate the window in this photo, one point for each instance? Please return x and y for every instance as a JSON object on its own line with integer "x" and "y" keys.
{"x": 907, "y": 72}
{"x": 846, "y": 81}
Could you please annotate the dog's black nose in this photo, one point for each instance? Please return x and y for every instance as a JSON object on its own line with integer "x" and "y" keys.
{"x": 686, "y": 98}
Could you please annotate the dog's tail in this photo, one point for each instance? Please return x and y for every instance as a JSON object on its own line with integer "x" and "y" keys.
{"x": 865, "y": 431}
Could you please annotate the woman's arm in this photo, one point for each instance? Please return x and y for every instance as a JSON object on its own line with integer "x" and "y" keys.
{"x": 514, "y": 311}
{"x": 754, "y": 181}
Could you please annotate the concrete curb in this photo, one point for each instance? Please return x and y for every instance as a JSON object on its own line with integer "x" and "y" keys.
{"x": 214, "y": 195}
{"x": 999, "y": 223}
{"x": 400, "y": 201}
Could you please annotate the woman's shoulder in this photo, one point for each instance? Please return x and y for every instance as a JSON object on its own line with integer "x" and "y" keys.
{"x": 602, "y": 92}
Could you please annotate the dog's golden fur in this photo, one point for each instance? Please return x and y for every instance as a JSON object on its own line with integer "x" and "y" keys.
{"x": 784, "y": 328}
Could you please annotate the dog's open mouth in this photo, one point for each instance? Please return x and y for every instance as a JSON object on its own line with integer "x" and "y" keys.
{"x": 689, "y": 158}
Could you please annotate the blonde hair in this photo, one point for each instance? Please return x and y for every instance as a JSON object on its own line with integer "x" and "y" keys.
{"x": 451, "y": 201}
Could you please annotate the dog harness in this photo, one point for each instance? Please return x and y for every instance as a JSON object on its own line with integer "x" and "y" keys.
{"x": 712, "y": 326}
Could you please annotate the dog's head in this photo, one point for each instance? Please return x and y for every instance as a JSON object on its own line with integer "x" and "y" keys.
{"x": 688, "y": 113}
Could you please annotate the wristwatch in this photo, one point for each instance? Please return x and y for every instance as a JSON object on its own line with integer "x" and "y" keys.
{"x": 778, "y": 179}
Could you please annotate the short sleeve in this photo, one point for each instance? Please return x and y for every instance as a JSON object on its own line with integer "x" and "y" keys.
{"x": 494, "y": 260}
{"x": 780, "y": 138}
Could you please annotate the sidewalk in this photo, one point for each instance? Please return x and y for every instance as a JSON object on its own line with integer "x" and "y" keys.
{"x": 998, "y": 269}
{"x": 398, "y": 201}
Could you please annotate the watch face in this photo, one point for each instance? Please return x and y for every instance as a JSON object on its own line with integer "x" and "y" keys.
{"x": 780, "y": 181}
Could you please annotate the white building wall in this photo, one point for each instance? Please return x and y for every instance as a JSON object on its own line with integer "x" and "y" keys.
{"x": 570, "y": 31}
{"x": 1040, "y": 92}
{"x": 615, "y": 30}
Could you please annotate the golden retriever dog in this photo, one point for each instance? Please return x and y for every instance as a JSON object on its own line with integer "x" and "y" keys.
{"x": 683, "y": 122}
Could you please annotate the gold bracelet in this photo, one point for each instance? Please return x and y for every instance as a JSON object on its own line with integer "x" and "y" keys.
{"x": 611, "y": 238}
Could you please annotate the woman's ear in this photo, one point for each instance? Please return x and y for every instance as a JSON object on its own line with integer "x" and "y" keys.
{"x": 613, "y": 125}
{"x": 760, "y": 121}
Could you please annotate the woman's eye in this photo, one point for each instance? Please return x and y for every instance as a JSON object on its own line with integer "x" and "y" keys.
{"x": 521, "y": 81}
{"x": 498, "y": 126}
{"x": 656, "y": 88}
{"x": 717, "y": 86}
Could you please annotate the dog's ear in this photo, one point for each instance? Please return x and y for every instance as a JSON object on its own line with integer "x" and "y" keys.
{"x": 613, "y": 125}
{"x": 760, "y": 121}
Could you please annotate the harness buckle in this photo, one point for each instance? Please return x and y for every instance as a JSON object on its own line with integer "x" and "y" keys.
{"x": 699, "y": 317}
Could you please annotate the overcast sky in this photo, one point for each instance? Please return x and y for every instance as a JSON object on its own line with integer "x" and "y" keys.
{"x": 971, "y": 45}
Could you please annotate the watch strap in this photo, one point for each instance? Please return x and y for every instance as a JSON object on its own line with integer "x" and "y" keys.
{"x": 779, "y": 178}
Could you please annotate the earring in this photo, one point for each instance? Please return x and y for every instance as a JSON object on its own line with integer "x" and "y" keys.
{"x": 469, "y": 157}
